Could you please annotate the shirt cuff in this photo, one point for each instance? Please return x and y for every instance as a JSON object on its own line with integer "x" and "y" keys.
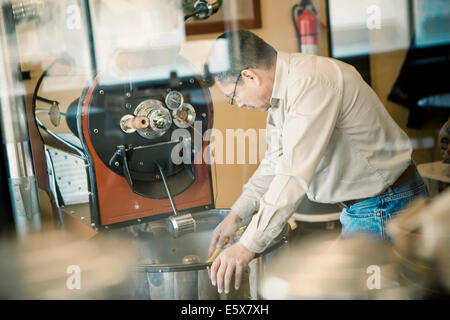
{"x": 255, "y": 240}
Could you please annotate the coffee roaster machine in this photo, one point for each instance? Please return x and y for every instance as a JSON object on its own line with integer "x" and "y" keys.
{"x": 141, "y": 135}
{"x": 128, "y": 131}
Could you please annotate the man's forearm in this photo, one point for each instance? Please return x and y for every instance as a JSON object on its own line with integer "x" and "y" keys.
{"x": 277, "y": 206}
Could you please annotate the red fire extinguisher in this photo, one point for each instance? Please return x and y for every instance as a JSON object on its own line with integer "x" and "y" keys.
{"x": 304, "y": 18}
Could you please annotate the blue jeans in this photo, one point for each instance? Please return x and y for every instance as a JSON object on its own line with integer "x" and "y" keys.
{"x": 371, "y": 215}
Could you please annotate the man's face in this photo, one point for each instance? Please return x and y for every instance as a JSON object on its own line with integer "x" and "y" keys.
{"x": 251, "y": 92}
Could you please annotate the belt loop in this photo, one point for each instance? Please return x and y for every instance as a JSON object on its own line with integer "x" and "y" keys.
{"x": 342, "y": 205}
{"x": 390, "y": 191}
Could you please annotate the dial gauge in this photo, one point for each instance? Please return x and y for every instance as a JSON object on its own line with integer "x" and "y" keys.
{"x": 184, "y": 116}
{"x": 174, "y": 100}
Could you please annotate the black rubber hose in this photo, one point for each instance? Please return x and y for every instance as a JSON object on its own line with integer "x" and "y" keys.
{"x": 36, "y": 90}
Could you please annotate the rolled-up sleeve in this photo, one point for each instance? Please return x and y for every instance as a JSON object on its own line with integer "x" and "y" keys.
{"x": 310, "y": 121}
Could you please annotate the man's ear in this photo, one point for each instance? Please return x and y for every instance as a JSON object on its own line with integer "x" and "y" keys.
{"x": 252, "y": 75}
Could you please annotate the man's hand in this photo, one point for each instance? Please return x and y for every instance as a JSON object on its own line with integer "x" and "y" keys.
{"x": 232, "y": 259}
{"x": 226, "y": 229}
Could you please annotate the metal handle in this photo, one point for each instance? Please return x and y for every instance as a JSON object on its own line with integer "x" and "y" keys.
{"x": 166, "y": 186}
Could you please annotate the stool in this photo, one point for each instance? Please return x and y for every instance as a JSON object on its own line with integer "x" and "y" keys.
{"x": 313, "y": 217}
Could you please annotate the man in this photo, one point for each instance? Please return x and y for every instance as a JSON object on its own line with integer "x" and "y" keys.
{"x": 328, "y": 136}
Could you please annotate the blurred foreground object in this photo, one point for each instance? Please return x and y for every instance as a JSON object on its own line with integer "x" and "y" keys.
{"x": 444, "y": 141}
{"x": 323, "y": 267}
{"x": 436, "y": 175}
{"x": 415, "y": 266}
{"x": 56, "y": 265}
{"x": 421, "y": 237}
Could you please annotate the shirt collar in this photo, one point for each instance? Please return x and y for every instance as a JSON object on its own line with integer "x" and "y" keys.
{"x": 281, "y": 75}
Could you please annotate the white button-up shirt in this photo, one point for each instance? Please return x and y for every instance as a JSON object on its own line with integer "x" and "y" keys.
{"x": 328, "y": 136}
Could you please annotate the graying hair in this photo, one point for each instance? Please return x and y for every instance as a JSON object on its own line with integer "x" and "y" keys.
{"x": 244, "y": 50}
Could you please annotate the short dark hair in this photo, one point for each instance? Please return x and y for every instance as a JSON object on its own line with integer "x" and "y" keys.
{"x": 243, "y": 50}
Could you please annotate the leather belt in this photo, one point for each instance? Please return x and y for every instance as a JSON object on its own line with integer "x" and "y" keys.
{"x": 404, "y": 177}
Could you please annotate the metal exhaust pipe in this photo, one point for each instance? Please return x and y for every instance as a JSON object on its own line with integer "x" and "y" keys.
{"x": 15, "y": 138}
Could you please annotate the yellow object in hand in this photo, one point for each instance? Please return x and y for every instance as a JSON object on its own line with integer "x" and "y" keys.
{"x": 216, "y": 252}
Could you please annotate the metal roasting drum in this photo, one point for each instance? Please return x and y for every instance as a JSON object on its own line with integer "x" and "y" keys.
{"x": 175, "y": 268}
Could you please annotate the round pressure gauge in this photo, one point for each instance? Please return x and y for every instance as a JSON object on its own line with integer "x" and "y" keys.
{"x": 174, "y": 100}
{"x": 184, "y": 116}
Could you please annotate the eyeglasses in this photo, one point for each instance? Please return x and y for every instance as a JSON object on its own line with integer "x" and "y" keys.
{"x": 234, "y": 91}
